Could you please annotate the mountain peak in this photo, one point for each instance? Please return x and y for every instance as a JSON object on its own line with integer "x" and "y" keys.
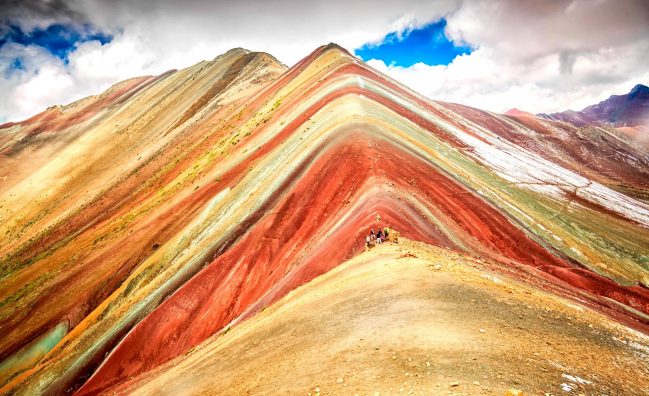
{"x": 237, "y": 51}
{"x": 235, "y": 183}
{"x": 335, "y": 46}
{"x": 518, "y": 113}
{"x": 639, "y": 89}
{"x": 630, "y": 109}
{"x": 323, "y": 49}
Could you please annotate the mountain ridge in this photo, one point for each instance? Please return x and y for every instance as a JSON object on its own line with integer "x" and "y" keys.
{"x": 631, "y": 109}
{"x": 244, "y": 189}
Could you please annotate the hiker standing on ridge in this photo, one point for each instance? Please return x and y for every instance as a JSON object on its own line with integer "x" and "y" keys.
{"x": 379, "y": 237}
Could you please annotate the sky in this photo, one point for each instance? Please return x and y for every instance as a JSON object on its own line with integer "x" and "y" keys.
{"x": 538, "y": 56}
{"x": 427, "y": 44}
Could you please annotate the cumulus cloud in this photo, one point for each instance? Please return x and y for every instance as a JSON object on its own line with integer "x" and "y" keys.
{"x": 540, "y": 56}
{"x": 150, "y": 37}
{"x": 23, "y": 89}
{"x": 32, "y": 14}
{"x": 486, "y": 80}
{"x": 527, "y": 29}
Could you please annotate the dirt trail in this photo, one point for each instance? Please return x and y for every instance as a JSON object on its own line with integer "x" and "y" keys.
{"x": 409, "y": 318}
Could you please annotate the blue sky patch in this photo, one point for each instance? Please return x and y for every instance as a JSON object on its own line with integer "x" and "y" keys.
{"x": 427, "y": 44}
{"x": 58, "y": 39}
{"x": 16, "y": 65}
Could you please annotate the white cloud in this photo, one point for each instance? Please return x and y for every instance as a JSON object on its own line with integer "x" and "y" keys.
{"x": 526, "y": 29}
{"x": 523, "y": 45}
{"x": 486, "y": 80}
{"x": 40, "y": 81}
{"x": 154, "y": 36}
{"x": 105, "y": 63}
{"x": 42, "y": 88}
{"x": 538, "y": 56}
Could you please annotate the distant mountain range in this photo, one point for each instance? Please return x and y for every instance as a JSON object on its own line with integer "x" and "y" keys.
{"x": 631, "y": 109}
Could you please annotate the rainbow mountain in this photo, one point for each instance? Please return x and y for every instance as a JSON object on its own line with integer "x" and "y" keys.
{"x": 203, "y": 231}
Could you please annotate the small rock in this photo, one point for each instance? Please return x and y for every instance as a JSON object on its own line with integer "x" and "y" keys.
{"x": 476, "y": 383}
{"x": 437, "y": 267}
{"x": 340, "y": 381}
{"x": 454, "y": 384}
{"x": 483, "y": 331}
{"x": 514, "y": 392}
{"x": 317, "y": 390}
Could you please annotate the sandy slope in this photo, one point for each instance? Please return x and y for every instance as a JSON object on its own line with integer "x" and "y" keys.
{"x": 406, "y": 318}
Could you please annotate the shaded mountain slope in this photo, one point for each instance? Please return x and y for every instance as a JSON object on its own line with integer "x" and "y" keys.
{"x": 598, "y": 153}
{"x": 628, "y": 114}
{"x": 227, "y": 185}
{"x": 631, "y": 109}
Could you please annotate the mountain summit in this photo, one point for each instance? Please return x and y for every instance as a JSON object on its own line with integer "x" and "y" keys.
{"x": 631, "y": 109}
{"x": 639, "y": 90}
{"x": 205, "y": 231}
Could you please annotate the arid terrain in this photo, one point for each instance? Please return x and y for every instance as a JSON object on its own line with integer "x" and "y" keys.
{"x": 413, "y": 319}
{"x": 203, "y": 231}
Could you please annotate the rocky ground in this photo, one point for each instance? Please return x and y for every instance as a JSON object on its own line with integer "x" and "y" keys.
{"x": 407, "y": 318}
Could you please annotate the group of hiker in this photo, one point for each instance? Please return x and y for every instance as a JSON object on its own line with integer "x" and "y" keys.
{"x": 378, "y": 238}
